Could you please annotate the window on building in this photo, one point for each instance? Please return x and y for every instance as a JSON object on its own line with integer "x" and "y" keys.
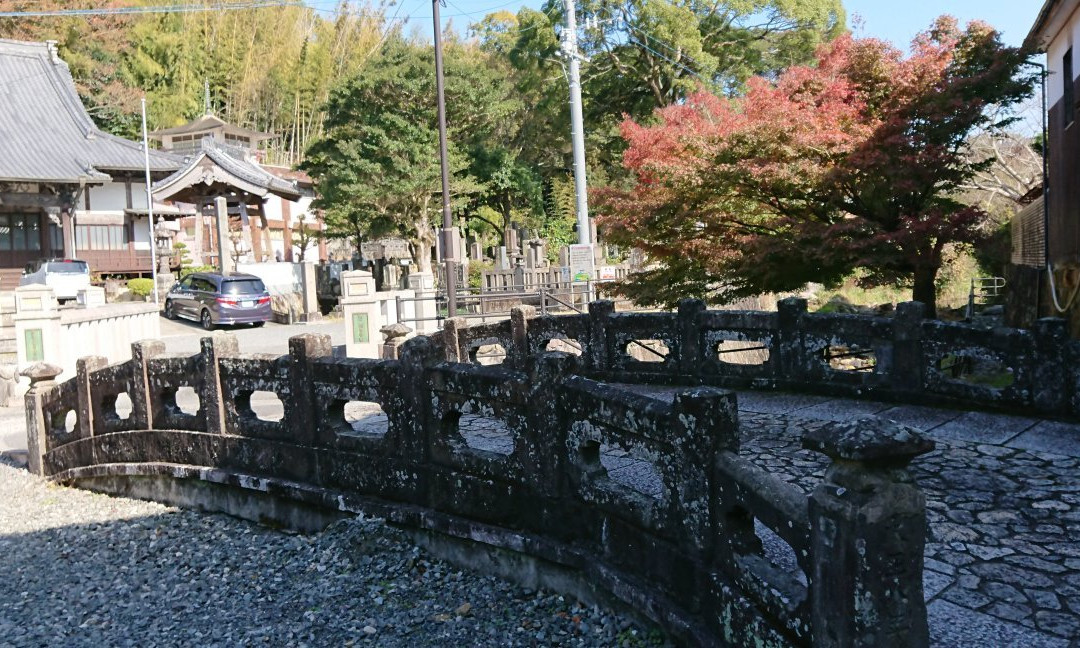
{"x": 1067, "y": 107}
{"x": 5, "y": 232}
{"x": 20, "y": 232}
{"x": 238, "y": 140}
{"x": 101, "y": 237}
{"x": 56, "y": 237}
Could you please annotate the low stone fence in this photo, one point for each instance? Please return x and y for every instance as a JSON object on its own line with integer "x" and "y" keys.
{"x": 519, "y": 461}
{"x": 904, "y": 358}
{"x": 43, "y": 331}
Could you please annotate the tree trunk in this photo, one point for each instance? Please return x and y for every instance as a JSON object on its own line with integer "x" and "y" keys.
{"x": 422, "y": 243}
{"x": 925, "y": 289}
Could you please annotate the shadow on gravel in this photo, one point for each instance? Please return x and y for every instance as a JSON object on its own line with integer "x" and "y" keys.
{"x": 181, "y": 578}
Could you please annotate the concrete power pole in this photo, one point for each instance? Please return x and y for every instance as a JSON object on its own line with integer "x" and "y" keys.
{"x": 447, "y": 223}
{"x": 577, "y": 128}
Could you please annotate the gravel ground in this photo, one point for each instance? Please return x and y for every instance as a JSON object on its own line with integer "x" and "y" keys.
{"x": 84, "y": 569}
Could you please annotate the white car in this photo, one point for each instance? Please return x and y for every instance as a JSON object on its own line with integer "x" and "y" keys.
{"x": 65, "y": 276}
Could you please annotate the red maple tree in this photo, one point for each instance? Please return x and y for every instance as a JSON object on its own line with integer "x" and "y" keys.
{"x": 852, "y": 163}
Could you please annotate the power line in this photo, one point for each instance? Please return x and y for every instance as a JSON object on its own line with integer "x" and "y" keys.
{"x": 677, "y": 51}
{"x": 167, "y": 9}
{"x": 669, "y": 60}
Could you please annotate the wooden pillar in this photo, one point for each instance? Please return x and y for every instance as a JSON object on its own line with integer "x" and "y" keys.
{"x": 322, "y": 239}
{"x": 67, "y": 223}
{"x": 286, "y": 235}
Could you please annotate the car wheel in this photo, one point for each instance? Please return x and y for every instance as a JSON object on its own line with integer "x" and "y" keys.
{"x": 207, "y": 321}
{"x": 169, "y": 313}
{"x": 257, "y": 324}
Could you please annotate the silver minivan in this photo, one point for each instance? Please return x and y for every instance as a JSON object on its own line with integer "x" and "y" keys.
{"x": 65, "y": 276}
{"x": 211, "y": 299}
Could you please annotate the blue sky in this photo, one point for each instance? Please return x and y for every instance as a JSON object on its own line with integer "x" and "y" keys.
{"x": 896, "y": 21}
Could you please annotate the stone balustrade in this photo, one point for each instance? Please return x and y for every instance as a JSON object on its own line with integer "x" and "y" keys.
{"x": 518, "y": 464}
{"x": 903, "y": 358}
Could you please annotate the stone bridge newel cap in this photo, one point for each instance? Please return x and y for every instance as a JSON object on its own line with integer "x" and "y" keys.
{"x": 870, "y": 439}
{"x": 395, "y": 330}
{"x": 40, "y": 371}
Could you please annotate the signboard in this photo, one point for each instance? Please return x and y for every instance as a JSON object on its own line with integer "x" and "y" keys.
{"x": 395, "y": 248}
{"x": 371, "y": 250}
{"x": 360, "y": 328}
{"x": 387, "y": 248}
{"x": 35, "y": 350}
{"x": 606, "y": 273}
{"x": 581, "y": 263}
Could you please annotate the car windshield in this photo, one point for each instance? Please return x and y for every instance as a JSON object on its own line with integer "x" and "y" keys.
{"x": 242, "y": 287}
{"x": 68, "y": 267}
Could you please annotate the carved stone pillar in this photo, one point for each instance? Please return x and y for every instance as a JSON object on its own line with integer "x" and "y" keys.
{"x": 867, "y": 534}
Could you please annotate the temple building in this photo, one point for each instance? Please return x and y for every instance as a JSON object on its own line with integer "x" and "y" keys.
{"x": 67, "y": 188}
{"x": 265, "y": 205}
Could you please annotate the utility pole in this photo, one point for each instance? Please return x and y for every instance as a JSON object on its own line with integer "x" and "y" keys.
{"x": 149, "y": 203}
{"x": 447, "y": 221}
{"x": 577, "y": 128}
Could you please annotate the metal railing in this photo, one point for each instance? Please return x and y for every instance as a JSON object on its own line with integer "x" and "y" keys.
{"x": 983, "y": 292}
{"x": 549, "y": 299}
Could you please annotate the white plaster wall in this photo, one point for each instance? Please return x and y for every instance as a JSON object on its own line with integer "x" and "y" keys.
{"x": 1055, "y": 52}
{"x": 273, "y": 208}
{"x": 280, "y": 278}
{"x": 141, "y": 225}
{"x": 110, "y": 196}
{"x": 138, "y": 195}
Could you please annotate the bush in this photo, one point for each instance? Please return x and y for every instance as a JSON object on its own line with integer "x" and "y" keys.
{"x": 476, "y": 271}
{"x": 186, "y": 270}
{"x": 141, "y": 287}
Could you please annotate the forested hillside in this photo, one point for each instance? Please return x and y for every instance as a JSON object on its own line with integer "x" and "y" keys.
{"x": 270, "y": 69}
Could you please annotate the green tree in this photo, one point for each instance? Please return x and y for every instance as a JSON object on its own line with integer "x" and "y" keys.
{"x": 377, "y": 168}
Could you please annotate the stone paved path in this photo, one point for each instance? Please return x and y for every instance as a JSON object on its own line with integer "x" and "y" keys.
{"x": 1003, "y": 499}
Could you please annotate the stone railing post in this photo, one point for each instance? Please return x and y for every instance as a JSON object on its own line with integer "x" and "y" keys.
{"x": 906, "y": 373}
{"x": 304, "y": 410}
{"x": 84, "y": 426}
{"x": 689, "y": 343}
{"x": 519, "y": 334}
{"x": 141, "y": 352}
{"x": 867, "y": 535}
{"x": 411, "y": 405}
{"x": 548, "y": 424}
{"x": 42, "y": 377}
{"x": 450, "y": 339}
{"x": 213, "y": 399}
{"x": 598, "y": 356}
{"x": 793, "y": 364}
{"x": 1050, "y": 387}
{"x": 705, "y": 421}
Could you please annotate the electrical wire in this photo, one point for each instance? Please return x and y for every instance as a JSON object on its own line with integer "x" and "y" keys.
{"x": 669, "y": 60}
{"x": 167, "y": 9}
{"x": 1053, "y": 291}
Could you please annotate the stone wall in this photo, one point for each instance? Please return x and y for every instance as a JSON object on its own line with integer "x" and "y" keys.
{"x": 903, "y": 358}
{"x": 517, "y": 458}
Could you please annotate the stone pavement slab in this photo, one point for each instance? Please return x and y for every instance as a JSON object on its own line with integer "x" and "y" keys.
{"x": 958, "y": 627}
{"x": 919, "y": 417}
{"x": 777, "y": 402}
{"x": 1050, "y": 436}
{"x": 982, "y": 427}
{"x": 840, "y": 410}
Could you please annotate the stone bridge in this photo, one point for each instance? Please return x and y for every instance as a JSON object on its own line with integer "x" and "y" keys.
{"x": 547, "y": 463}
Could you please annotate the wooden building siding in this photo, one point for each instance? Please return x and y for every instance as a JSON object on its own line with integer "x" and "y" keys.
{"x": 1064, "y": 194}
